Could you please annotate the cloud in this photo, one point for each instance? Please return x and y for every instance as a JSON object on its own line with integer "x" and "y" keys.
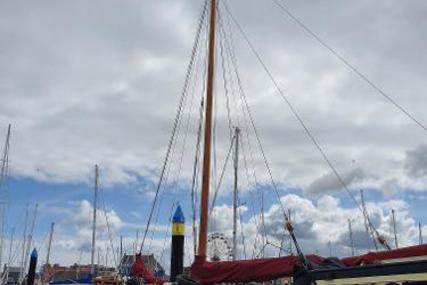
{"x": 416, "y": 161}
{"x": 102, "y": 87}
{"x": 323, "y": 222}
{"x": 98, "y": 82}
{"x": 82, "y": 218}
{"x": 330, "y": 183}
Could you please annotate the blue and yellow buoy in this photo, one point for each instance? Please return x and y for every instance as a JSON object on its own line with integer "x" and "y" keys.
{"x": 178, "y": 235}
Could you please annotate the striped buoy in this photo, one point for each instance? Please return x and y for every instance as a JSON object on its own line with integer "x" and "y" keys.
{"x": 178, "y": 235}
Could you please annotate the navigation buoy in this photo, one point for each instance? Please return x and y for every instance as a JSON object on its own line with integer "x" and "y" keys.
{"x": 178, "y": 235}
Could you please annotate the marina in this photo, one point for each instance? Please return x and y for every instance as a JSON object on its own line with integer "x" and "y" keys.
{"x": 211, "y": 201}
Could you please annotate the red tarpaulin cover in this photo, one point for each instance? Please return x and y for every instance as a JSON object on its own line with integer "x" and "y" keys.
{"x": 371, "y": 257}
{"x": 266, "y": 269}
{"x": 259, "y": 270}
{"x": 139, "y": 270}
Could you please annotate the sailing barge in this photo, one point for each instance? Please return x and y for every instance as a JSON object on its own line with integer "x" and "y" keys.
{"x": 400, "y": 266}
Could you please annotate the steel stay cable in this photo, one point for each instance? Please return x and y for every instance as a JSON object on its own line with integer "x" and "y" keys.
{"x": 176, "y": 121}
{"x": 184, "y": 143}
{"x": 228, "y": 59}
{"x": 167, "y": 232}
{"x": 242, "y": 94}
{"x": 168, "y": 171}
{"x": 110, "y": 236}
{"x": 218, "y": 186}
{"x": 227, "y": 99}
{"x": 177, "y": 175}
{"x": 166, "y": 180}
{"x": 297, "y": 247}
{"x": 194, "y": 179}
{"x": 257, "y": 135}
{"x": 242, "y": 234}
{"x": 351, "y": 66}
{"x": 296, "y": 115}
{"x": 19, "y": 245}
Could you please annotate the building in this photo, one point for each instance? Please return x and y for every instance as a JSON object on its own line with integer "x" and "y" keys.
{"x": 149, "y": 260}
{"x": 12, "y": 274}
{"x": 76, "y": 271}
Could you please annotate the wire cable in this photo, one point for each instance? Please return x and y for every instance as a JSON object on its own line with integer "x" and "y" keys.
{"x": 298, "y": 118}
{"x": 232, "y": 65}
{"x": 176, "y": 121}
{"x": 350, "y": 66}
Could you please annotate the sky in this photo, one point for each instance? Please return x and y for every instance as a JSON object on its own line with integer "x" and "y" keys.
{"x": 99, "y": 82}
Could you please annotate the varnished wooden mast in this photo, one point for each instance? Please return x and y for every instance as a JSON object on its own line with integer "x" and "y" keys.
{"x": 204, "y": 200}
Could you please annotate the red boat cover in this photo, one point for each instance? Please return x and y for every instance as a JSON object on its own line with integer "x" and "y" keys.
{"x": 258, "y": 270}
{"x": 266, "y": 269}
{"x": 139, "y": 270}
{"x": 372, "y": 257}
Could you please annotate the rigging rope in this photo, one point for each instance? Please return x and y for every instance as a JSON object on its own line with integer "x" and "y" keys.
{"x": 167, "y": 232}
{"x": 110, "y": 236}
{"x": 188, "y": 109}
{"x": 229, "y": 58}
{"x": 222, "y": 175}
{"x": 301, "y": 122}
{"x": 194, "y": 181}
{"x": 177, "y": 119}
{"x": 350, "y": 66}
{"x": 227, "y": 99}
{"x": 242, "y": 234}
{"x": 231, "y": 54}
{"x": 256, "y": 131}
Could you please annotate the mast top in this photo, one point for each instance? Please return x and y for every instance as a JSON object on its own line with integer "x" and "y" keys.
{"x": 178, "y": 217}
{"x": 34, "y": 253}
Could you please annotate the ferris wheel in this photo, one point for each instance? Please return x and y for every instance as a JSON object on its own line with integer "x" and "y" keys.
{"x": 219, "y": 247}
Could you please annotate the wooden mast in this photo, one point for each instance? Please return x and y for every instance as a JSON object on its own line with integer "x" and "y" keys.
{"x": 204, "y": 200}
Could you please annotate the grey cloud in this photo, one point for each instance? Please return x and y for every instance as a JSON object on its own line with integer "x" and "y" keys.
{"x": 416, "y": 161}
{"x": 330, "y": 183}
{"x": 84, "y": 82}
{"x": 315, "y": 223}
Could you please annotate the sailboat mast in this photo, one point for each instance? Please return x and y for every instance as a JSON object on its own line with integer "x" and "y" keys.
{"x": 394, "y": 228}
{"x": 5, "y": 157}
{"x": 12, "y": 237}
{"x": 235, "y": 198}
{"x": 24, "y": 243}
{"x": 204, "y": 199}
{"x": 3, "y": 199}
{"x": 29, "y": 240}
{"x": 368, "y": 228}
{"x": 52, "y": 226}
{"x": 350, "y": 231}
{"x": 95, "y": 202}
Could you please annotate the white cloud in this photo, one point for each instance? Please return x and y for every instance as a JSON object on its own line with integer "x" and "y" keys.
{"x": 317, "y": 224}
{"x": 102, "y": 88}
{"x": 330, "y": 183}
